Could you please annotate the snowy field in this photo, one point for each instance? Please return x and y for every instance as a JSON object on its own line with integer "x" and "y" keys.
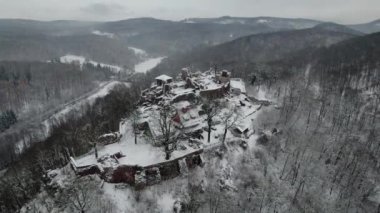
{"x": 142, "y": 153}
{"x": 138, "y": 51}
{"x": 99, "y": 33}
{"x": 147, "y": 65}
{"x": 80, "y": 60}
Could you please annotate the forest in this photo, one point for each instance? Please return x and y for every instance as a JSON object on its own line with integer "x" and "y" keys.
{"x": 283, "y": 115}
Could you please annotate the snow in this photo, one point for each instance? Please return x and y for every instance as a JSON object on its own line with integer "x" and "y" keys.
{"x": 138, "y": 51}
{"x": 147, "y": 65}
{"x": 166, "y": 203}
{"x": 156, "y": 198}
{"x": 188, "y": 21}
{"x": 209, "y": 83}
{"x": 122, "y": 198}
{"x": 181, "y": 91}
{"x": 164, "y": 78}
{"x": 231, "y": 21}
{"x": 182, "y": 104}
{"x": 261, "y": 94}
{"x": 68, "y": 59}
{"x": 99, "y": 33}
{"x": 375, "y": 196}
{"x": 237, "y": 83}
{"x": 262, "y": 21}
{"x": 143, "y": 153}
{"x": 80, "y": 60}
{"x": 162, "y": 196}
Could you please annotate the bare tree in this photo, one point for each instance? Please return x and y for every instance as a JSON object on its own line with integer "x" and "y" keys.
{"x": 211, "y": 109}
{"x": 229, "y": 119}
{"x": 80, "y": 195}
{"x": 135, "y": 117}
{"x": 167, "y": 130}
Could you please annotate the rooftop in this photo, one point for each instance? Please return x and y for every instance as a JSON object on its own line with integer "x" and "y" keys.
{"x": 164, "y": 77}
{"x": 238, "y": 84}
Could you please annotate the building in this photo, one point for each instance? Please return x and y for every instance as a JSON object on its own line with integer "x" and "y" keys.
{"x": 163, "y": 79}
{"x": 223, "y": 77}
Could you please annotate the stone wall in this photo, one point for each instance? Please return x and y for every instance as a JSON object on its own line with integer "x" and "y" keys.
{"x": 139, "y": 176}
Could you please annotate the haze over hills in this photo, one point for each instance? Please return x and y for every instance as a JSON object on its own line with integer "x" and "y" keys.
{"x": 370, "y": 27}
{"x": 271, "y": 22}
{"x": 243, "y": 54}
{"x": 34, "y": 27}
{"x": 242, "y": 114}
{"x": 46, "y": 47}
{"x": 159, "y": 37}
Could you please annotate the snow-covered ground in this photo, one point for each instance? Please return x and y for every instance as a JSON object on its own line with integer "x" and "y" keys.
{"x": 217, "y": 172}
{"x": 147, "y": 65}
{"x": 80, "y": 60}
{"x": 99, "y": 33}
{"x": 231, "y": 21}
{"x": 125, "y": 198}
{"x": 262, "y": 21}
{"x": 138, "y": 51}
{"x": 144, "y": 153}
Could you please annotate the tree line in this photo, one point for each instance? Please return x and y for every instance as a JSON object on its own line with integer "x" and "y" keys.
{"x": 73, "y": 137}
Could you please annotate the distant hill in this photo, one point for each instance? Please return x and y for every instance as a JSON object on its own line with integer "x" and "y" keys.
{"x": 244, "y": 54}
{"x": 330, "y": 26}
{"x": 34, "y": 40}
{"x": 370, "y": 27}
{"x": 45, "y": 47}
{"x": 271, "y": 22}
{"x": 13, "y": 27}
{"x": 359, "y": 56}
{"x": 169, "y": 37}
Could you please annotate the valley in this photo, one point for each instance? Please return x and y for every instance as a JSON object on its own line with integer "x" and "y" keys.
{"x": 226, "y": 114}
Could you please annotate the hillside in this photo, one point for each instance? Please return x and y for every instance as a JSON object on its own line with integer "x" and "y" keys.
{"x": 34, "y": 27}
{"x": 45, "y": 47}
{"x": 242, "y": 115}
{"x": 300, "y": 144}
{"x": 157, "y": 37}
{"x": 371, "y": 27}
{"x": 246, "y": 53}
{"x": 271, "y": 22}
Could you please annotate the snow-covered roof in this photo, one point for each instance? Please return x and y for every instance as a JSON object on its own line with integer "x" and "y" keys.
{"x": 237, "y": 83}
{"x": 164, "y": 78}
{"x": 182, "y": 104}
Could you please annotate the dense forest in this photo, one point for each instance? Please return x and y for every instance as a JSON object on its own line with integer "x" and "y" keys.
{"x": 254, "y": 53}
{"x": 47, "y": 47}
{"x": 72, "y": 137}
{"x": 31, "y": 87}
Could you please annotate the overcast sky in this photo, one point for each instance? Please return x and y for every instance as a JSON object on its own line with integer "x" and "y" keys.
{"x": 341, "y": 11}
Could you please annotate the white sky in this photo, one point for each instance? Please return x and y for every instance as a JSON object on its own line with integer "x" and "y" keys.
{"x": 341, "y": 11}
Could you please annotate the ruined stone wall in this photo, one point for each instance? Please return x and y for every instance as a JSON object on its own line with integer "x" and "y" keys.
{"x": 140, "y": 177}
